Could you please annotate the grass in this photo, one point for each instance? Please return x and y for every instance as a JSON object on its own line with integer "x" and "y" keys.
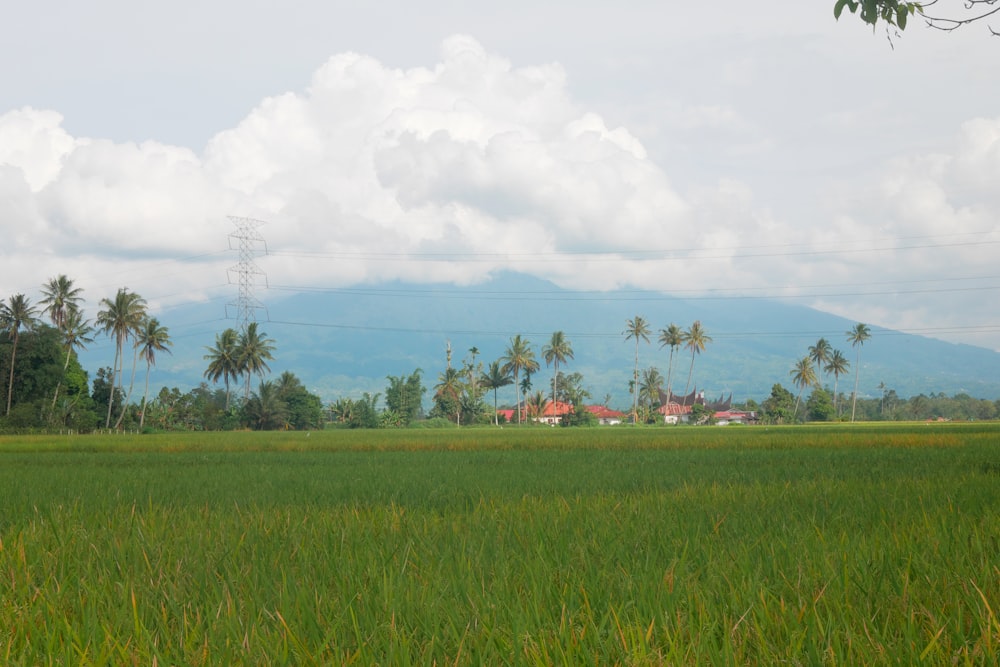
{"x": 842, "y": 545}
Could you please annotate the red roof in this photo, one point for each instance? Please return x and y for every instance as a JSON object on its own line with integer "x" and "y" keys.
{"x": 557, "y": 409}
{"x": 603, "y": 412}
{"x": 674, "y": 409}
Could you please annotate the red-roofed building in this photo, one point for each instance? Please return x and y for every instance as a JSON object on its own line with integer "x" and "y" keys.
{"x": 726, "y": 417}
{"x": 605, "y": 415}
{"x": 554, "y": 412}
{"x": 674, "y": 412}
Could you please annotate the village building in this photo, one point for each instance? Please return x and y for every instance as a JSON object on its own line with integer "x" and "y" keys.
{"x": 605, "y": 415}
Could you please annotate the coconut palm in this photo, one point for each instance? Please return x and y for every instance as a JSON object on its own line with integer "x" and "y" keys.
{"x": 695, "y": 339}
{"x": 857, "y": 336}
{"x": 254, "y": 350}
{"x": 556, "y": 352}
{"x": 75, "y": 335}
{"x": 265, "y": 410}
{"x": 449, "y": 390}
{"x": 803, "y": 375}
{"x": 60, "y": 299}
{"x": 16, "y": 314}
{"x": 535, "y": 405}
{"x": 650, "y": 385}
{"x": 820, "y": 353}
{"x": 223, "y": 360}
{"x": 837, "y": 365}
{"x": 493, "y": 379}
{"x": 672, "y": 337}
{"x": 152, "y": 338}
{"x": 120, "y": 318}
{"x": 519, "y": 357}
{"x": 473, "y": 380}
{"x": 638, "y": 329}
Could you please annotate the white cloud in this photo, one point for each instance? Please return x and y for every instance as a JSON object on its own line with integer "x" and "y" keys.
{"x": 466, "y": 167}
{"x": 34, "y": 142}
{"x": 930, "y": 233}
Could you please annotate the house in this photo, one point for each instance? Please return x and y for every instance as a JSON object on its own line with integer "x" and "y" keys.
{"x": 726, "y": 417}
{"x": 554, "y": 412}
{"x": 674, "y": 412}
{"x": 605, "y": 415}
{"x": 676, "y": 408}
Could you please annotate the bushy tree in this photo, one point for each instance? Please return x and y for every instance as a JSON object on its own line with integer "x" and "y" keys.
{"x": 580, "y": 416}
{"x": 779, "y": 407}
{"x": 701, "y": 415}
{"x": 304, "y": 410}
{"x": 404, "y": 396}
{"x": 819, "y": 406}
{"x": 363, "y": 413}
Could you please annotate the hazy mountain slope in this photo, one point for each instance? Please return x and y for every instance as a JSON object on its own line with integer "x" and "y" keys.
{"x": 346, "y": 341}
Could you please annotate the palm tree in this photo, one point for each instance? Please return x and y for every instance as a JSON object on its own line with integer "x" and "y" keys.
{"x": 535, "y": 405}
{"x": 673, "y": 337}
{"x": 120, "y": 318}
{"x": 493, "y": 379}
{"x": 62, "y": 303}
{"x": 857, "y": 337}
{"x": 60, "y": 299}
{"x": 473, "y": 352}
{"x": 265, "y": 410}
{"x": 449, "y": 387}
{"x": 803, "y": 375}
{"x": 152, "y": 338}
{"x": 556, "y": 352}
{"x": 223, "y": 360}
{"x": 695, "y": 339}
{"x": 16, "y": 314}
{"x": 341, "y": 409}
{"x": 650, "y": 385}
{"x": 820, "y": 353}
{"x": 637, "y": 328}
{"x": 75, "y": 335}
{"x": 526, "y": 382}
{"x": 254, "y": 350}
{"x": 519, "y": 357}
{"x": 837, "y": 365}
{"x": 288, "y": 384}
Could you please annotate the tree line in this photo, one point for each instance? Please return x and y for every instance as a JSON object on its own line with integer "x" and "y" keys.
{"x": 46, "y": 388}
{"x": 463, "y": 390}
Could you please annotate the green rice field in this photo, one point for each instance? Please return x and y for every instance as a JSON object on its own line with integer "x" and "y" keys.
{"x": 840, "y": 545}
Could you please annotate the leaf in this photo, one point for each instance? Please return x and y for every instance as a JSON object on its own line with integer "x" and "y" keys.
{"x": 838, "y": 8}
{"x": 869, "y": 11}
{"x": 901, "y": 14}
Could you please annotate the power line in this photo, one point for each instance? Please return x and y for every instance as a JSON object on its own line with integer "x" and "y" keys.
{"x": 658, "y": 254}
{"x": 877, "y": 332}
{"x": 713, "y": 294}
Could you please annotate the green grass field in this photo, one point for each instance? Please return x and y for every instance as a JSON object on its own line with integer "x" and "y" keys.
{"x": 833, "y": 545}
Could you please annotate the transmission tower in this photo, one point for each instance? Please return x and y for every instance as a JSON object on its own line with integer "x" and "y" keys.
{"x": 248, "y": 242}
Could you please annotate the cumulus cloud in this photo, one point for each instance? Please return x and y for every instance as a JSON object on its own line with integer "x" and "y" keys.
{"x": 454, "y": 171}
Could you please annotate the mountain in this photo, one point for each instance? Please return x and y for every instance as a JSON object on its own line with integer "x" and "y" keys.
{"x": 345, "y": 341}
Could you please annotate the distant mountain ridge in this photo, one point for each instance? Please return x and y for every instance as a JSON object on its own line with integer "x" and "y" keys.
{"x": 346, "y": 341}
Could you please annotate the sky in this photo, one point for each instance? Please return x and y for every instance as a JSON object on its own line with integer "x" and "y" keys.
{"x": 704, "y": 149}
